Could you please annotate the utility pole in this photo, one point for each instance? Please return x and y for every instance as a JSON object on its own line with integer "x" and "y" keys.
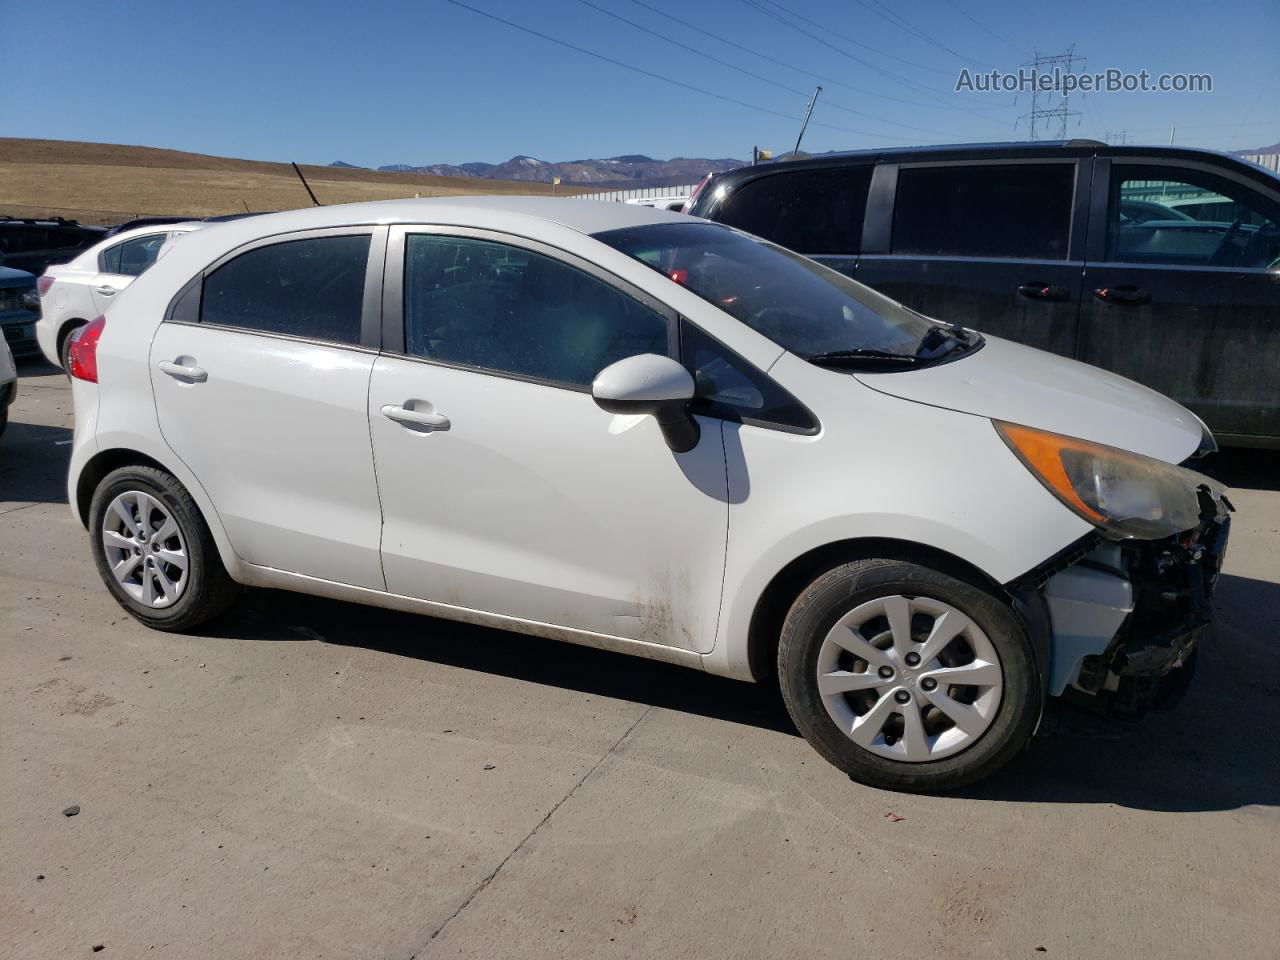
{"x": 808, "y": 111}
{"x": 1044, "y": 108}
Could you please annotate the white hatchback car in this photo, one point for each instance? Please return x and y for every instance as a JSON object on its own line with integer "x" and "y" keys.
{"x": 628, "y": 428}
{"x": 73, "y": 293}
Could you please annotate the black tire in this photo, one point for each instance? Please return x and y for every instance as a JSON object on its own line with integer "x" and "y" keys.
{"x": 839, "y": 591}
{"x": 209, "y": 590}
{"x": 64, "y": 347}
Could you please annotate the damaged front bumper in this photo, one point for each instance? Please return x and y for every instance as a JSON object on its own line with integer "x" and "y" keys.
{"x": 1125, "y": 619}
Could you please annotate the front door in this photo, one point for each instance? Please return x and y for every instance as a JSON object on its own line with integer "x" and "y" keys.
{"x": 986, "y": 245}
{"x": 1185, "y": 294}
{"x": 505, "y": 489}
{"x": 261, "y": 385}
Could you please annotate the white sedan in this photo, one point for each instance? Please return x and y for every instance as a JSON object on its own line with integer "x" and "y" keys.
{"x": 629, "y": 428}
{"x": 73, "y": 293}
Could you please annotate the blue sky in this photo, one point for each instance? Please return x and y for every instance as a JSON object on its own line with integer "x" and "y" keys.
{"x": 378, "y": 82}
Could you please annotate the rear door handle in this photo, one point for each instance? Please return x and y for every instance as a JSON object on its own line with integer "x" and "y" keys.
{"x": 422, "y": 421}
{"x": 105, "y": 290}
{"x": 182, "y": 372}
{"x": 1126, "y": 294}
{"x": 1035, "y": 290}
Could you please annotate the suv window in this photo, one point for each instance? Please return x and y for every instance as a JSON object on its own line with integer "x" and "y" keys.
{"x": 139, "y": 253}
{"x": 1159, "y": 214}
{"x": 307, "y": 288}
{"x": 1012, "y": 211}
{"x": 482, "y": 304}
{"x": 809, "y": 211}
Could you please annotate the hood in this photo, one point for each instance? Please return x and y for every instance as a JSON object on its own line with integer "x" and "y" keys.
{"x": 1009, "y": 381}
{"x": 11, "y": 277}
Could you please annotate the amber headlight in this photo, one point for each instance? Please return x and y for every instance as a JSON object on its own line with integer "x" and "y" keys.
{"x": 1124, "y": 494}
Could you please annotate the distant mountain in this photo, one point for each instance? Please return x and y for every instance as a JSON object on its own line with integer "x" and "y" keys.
{"x": 627, "y": 169}
{"x": 1274, "y": 148}
{"x": 345, "y": 165}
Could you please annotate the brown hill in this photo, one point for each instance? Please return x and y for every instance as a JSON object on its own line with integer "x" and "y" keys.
{"x": 107, "y": 183}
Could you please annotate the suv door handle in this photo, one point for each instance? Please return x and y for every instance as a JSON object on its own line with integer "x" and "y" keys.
{"x": 1035, "y": 290}
{"x": 1126, "y": 294}
{"x": 421, "y": 421}
{"x": 182, "y": 372}
{"x": 105, "y": 290}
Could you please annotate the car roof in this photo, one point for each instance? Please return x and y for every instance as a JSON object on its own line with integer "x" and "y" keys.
{"x": 997, "y": 150}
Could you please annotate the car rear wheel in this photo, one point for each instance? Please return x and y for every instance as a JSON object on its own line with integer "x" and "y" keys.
{"x": 907, "y": 678}
{"x": 155, "y": 552}
{"x": 64, "y": 346}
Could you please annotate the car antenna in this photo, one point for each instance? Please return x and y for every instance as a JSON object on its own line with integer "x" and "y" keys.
{"x": 314, "y": 201}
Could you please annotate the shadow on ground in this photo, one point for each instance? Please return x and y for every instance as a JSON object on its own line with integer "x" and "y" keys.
{"x": 33, "y": 463}
{"x": 1200, "y": 756}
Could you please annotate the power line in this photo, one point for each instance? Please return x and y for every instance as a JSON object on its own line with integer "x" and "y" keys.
{"x": 789, "y": 66}
{"x": 749, "y": 73}
{"x": 656, "y": 76}
{"x": 759, "y": 6}
{"x": 856, "y": 43}
{"x": 982, "y": 26}
{"x": 885, "y": 13}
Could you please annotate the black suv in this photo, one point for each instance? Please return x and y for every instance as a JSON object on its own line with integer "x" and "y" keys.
{"x": 1159, "y": 263}
{"x": 32, "y": 245}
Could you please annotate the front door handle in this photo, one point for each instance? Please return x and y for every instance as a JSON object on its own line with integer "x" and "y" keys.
{"x": 422, "y": 421}
{"x": 1126, "y": 294}
{"x": 183, "y": 372}
{"x": 1035, "y": 290}
{"x": 105, "y": 290}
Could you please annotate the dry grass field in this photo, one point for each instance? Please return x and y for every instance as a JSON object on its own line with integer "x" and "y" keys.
{"x": 106, "y": 183}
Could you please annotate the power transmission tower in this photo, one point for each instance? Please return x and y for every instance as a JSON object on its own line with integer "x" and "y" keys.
{"x": 1121, "y": 137}
{"x": 1049, "y": 107}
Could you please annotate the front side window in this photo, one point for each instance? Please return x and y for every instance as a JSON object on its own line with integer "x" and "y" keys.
{"x": 1166, "y": 215}
{"x": 809, "y": 211}
{"x": 476, "y": 303}
{"x": 1011, "y": 211}
{"x": 310, "y": 288}
{"x": 797, "y": 303}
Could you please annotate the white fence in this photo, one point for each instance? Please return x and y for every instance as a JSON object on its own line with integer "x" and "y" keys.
{"x": 1269, "y": 160}
{"x": 642, "y": 193}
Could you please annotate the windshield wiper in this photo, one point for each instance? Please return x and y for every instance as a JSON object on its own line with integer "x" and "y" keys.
{"x": 865, "y": 356}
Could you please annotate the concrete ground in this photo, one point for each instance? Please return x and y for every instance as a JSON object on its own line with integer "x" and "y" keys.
{"x": 313, "y": 779}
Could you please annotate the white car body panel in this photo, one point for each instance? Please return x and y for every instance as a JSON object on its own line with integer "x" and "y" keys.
{"x": 279, "y": 438}
{"x": 551, "y": 516}
{"x": 8, "y": 370}
{"x": 81, "y": 291}
{"x": 537, "y": 504}
{"x": 1010, "y": 381}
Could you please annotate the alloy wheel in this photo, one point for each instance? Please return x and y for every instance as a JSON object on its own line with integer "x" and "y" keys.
{"x": 909, "y": 678}
{"x": 145, "y": 549}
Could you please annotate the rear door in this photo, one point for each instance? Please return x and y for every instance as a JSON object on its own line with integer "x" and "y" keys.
{"x": 994, "y": 245}
{"x": 817, "y": 212}
{"x": 261, "y": 376}
{"x": 1183, "y": 290}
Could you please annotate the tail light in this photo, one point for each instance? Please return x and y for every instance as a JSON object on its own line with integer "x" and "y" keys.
{"x": 43, "y": 284}
{"x": 83, "y": 355}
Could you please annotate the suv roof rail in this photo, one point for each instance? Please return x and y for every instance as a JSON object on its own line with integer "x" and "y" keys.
{"x": 1084, "y": 142}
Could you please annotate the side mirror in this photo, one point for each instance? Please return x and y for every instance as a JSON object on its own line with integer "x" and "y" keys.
{"x": 654, "y": 385}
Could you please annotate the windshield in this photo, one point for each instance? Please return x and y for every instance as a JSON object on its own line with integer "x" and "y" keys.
{"x": 807, "y": 308}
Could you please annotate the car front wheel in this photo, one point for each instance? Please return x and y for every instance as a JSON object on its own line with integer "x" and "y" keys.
{"x": 907, "y": 678}
{"x": 155, "y": 552}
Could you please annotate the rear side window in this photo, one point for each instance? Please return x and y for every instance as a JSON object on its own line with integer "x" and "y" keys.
{"x": 496, "y": 307}
{"x": 809, "y": 211}
{"x": 1011, "y": 211}
{"x": 139, "y": 253}
{"x": 109, "y": 259}
{"x": 310, "y": 288}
